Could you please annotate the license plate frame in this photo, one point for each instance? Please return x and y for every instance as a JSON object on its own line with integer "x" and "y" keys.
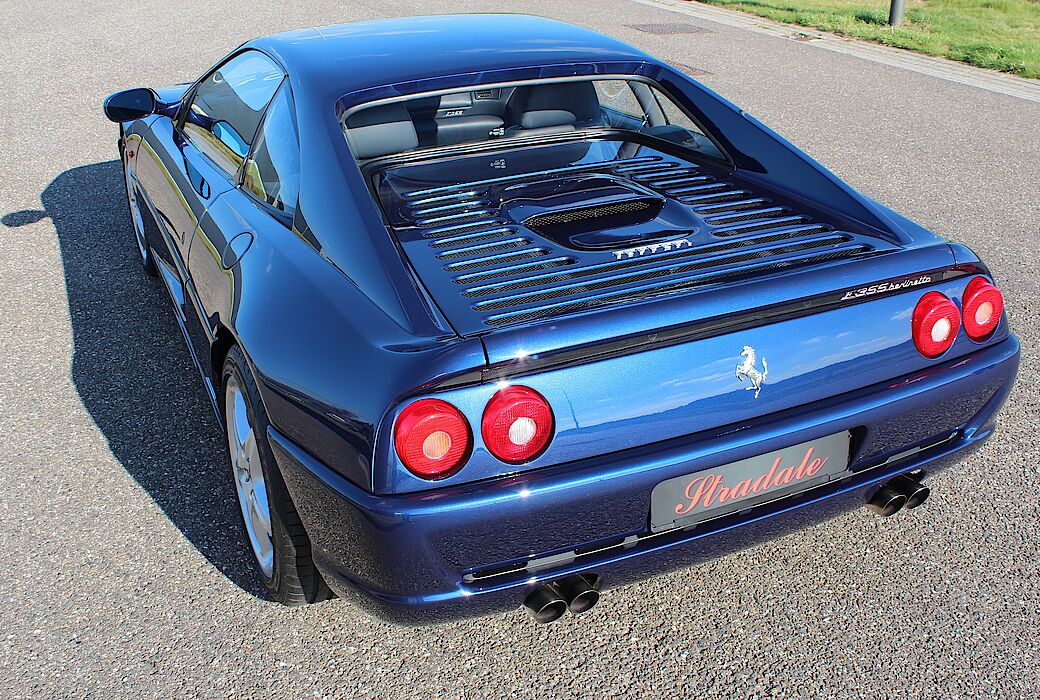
{"x": 689, "y": 499}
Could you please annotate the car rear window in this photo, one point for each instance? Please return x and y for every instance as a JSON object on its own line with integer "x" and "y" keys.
{"x": 524, "y": 109}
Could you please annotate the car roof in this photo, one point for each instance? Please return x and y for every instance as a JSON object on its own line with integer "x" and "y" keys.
{"x": 349, "y": 57}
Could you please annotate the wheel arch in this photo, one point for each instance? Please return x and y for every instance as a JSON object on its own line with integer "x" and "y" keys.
{"x": 223, "y": 340}
{"x": 222, "y": 343}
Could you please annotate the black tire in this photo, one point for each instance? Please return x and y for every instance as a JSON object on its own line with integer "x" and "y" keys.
{"x": 294, "y": 579}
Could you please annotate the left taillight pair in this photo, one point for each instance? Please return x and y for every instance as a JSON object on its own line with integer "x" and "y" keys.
{"x": 434, "y": 440}
{"x": 937, "y": 320}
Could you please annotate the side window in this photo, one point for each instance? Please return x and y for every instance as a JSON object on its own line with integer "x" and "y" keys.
{"x": 619, "y": 103}
{"x": 226, "y": 108}
{"x": 691, "y": 136}
{"x": 273, "y": 171}
{"x": 674, "y": 115}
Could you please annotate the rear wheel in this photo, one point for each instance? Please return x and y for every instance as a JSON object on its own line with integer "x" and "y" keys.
{"x": 273, "y": 529}
{"x": 147, "y": 261}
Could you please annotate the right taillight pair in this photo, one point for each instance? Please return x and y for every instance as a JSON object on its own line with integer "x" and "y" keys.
{"x": 434, "y": 440}
{"x": 937, "y": 320}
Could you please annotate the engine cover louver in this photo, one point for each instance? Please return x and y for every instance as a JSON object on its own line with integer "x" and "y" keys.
{"x": 471, "y": 249}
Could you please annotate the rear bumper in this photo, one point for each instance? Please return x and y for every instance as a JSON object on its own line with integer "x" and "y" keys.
{"x": 465, "y": 551}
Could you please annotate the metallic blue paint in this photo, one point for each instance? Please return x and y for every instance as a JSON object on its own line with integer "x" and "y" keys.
{"x": 343, "y": 322}
{"x": 437, "y": 537}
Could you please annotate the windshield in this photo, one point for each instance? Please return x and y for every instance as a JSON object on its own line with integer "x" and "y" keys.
{"x": 524, "y": 109}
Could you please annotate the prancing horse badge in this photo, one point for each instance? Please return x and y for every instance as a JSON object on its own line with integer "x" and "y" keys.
{"x": 747, "y": 370}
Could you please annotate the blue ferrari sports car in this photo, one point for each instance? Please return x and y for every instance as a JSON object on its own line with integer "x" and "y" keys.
{"x": 498, "y": 311}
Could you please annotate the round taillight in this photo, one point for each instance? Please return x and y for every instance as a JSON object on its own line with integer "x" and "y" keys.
{"x": 517, "y": 424}
{"x": 983, "y": 305}
{"x": 935, "y": 324}
{"x": 432, "y": 439}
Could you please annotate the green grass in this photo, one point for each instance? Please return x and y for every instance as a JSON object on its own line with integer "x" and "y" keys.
{"x": 999, "y": 34}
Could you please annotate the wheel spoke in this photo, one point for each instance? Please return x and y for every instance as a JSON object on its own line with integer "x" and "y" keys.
{"x": 261, "y": 512}
{"x": 248, "y": 475}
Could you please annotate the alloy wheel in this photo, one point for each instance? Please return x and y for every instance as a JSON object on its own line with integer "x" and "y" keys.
{"x": 248, "y": 474}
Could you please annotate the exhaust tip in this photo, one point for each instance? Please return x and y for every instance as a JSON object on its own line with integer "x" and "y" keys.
{"x": 545, "y": 605}
{"x": 886, "y": 501}
{"x": 583, "y": 602}
{"x": 581, "y": 591}
{"x": 916, "y": 493}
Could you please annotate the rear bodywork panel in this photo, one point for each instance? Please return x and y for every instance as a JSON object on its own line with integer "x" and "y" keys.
{"x": 478, "y": 548}
{"x": 632, "y": 324}
{"x": 676, "y": 389}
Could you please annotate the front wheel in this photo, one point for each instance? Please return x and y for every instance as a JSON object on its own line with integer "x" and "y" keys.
{"x": 272, "y": 526}
{"x": 147, "y": 261}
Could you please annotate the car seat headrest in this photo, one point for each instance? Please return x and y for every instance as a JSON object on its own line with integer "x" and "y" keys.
{"x": 380, "y": 131}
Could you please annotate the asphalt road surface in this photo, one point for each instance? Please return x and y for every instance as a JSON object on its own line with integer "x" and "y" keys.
{"x": 123, "y": 570}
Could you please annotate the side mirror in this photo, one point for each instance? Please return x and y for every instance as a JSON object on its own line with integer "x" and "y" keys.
{"x": 134, "y": 103}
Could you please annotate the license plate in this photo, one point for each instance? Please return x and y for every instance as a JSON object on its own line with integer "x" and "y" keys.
{"x": 713, "y": 492}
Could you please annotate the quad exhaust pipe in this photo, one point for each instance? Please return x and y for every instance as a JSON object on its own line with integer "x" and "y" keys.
{"x": 904, "y": 491}
{"x": 916, "y": 493}
{"x": 886, "y": 501}
{"x": 579, "y": 593}
{"x": 576, "y": 594}
{"x": 545, "y": 604}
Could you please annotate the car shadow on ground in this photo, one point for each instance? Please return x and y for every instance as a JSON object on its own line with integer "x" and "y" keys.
{"x": 133, "y": 371}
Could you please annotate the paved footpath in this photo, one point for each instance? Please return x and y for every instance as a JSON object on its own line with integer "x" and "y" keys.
{"x": 124, "y": 575}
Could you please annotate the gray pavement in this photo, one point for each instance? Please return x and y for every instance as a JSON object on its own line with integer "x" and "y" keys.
{"x": 123, "y": 571}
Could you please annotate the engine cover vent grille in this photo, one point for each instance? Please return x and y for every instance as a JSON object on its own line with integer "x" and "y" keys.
{"x": 483, "y": 249}
{"x": 667, "y": 269}
{"x": 464, "y": 228}
{"x": 644, "y": 209}
{"x": 746, "y": 216}
{"x": 552, "y": 310}
{"x": 491, "y": 261}
{"x": 711, "y": 256}
{"x": 530, "y": 244}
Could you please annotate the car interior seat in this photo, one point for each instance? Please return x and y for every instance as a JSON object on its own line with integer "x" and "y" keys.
{"x": 380, "y": 131}
{"x": 553, "y": 108}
